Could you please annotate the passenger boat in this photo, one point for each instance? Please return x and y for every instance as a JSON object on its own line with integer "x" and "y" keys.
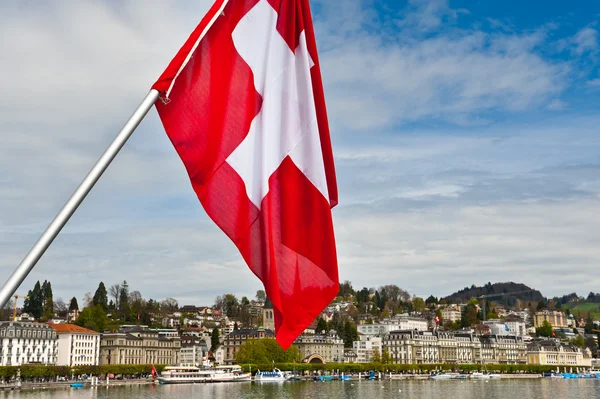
{"x": 271, "y": 376}
{"x": 193, "y": 375}
{"x": 184, "y": 375}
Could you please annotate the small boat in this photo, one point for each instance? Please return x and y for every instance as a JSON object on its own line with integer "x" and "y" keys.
{"x": 77, "y": 385}
{"x": 484, "y": 376}
{"x": 444, "y": 376}
{"x": 232, "y": 373}
{"x": 271, "y": 376}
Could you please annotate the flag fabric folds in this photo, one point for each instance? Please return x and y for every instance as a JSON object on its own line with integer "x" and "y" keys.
{"x": 243, "y": 105}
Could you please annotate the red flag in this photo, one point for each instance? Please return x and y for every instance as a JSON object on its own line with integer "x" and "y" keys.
{"x": 154, "y": 373}
{"x": 243, "y": 106}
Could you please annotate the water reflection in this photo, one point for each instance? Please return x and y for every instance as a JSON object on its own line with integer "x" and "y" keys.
{"x": 530, "y": 389}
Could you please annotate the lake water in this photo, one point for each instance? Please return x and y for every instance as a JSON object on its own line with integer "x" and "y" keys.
{"x": 507, "y": 389}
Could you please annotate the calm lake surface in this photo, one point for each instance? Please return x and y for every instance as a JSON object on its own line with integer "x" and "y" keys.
{"x": 507, "y": 389}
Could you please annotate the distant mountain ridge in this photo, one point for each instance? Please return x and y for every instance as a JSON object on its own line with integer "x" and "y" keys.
{"x": 520, "y": 292}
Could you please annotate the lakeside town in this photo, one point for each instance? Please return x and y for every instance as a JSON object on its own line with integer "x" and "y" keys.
{"x": 386, "y": 325}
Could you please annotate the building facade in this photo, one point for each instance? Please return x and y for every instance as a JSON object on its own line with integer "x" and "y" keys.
{"x": 451, "y": 315}
{"x": 366, "y": 348}
{"x": 27, "y": 343}
{"x": 329, "y": 346}
{"x": 557, "y": 319}
{"x": 417, "y": 347}
{"x": 235, "y": 339}
{"x": 552, "y": 353}
{"x": 268, "y": 321}
{"x": 77, "y": 346}
{"x": 138, "y": 345}
{"x": 193, "y": 351}
{"x": 394, "y": 324}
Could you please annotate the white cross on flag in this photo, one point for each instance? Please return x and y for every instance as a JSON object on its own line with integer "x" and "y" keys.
{"x": 243, "y": 105}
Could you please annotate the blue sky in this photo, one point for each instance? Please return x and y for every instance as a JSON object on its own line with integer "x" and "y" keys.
{"x": 465, "y": 135}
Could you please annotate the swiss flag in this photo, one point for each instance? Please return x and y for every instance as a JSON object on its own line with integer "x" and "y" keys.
{"x": 243, "y": 104}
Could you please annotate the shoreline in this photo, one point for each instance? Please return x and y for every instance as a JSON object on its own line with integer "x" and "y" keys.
{"x": 118, "y": 383}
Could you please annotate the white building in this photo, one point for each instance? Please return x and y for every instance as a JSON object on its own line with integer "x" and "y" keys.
{"x": 517, "y": 328}
{"x": 25, "y": 342}
{"x": 193, "y": 351}
{"x": 500, "y": 327}
{"x": 395, "y": 324}
{"x": 77, "y": 346}
{"x": 366, "y": 348}
{"x": 451, "y": 315}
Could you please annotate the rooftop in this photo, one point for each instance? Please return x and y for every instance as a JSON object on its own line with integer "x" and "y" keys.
{"x": 71, "y": 329}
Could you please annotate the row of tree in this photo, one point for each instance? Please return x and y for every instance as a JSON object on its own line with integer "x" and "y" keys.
{"x": 39, "y": 301}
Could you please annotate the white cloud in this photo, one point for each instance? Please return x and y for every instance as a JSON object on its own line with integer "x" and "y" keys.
{"x": 594, "y": 82}
{"x": 377, "y": 80}
{"x": 585, "y": 40}
{"x": 557, "y": 105}
{"x": 427, "y": 211}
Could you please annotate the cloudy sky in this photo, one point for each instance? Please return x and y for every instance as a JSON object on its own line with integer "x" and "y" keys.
{"x": 465, "y": 135}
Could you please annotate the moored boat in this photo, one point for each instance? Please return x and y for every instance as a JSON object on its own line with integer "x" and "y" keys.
{"x": 271, "y": 376}
{"x": 193, "y": 375}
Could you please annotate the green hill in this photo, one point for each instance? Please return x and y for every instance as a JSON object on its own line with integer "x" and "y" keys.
{"x": 505, "y": 294}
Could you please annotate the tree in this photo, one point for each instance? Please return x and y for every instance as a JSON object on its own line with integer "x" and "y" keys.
{"x": 349, "y": 334}
{"x": 7, "y": 310}
{"x": 93, "y": 317}
{"x": 265, "y": 351}
{"x": 124, "y": 309}
{"x": 321, "y": 326}
{"x": 101, "y": 296}
{"x": 60, "y": 307}
{"x": 376, "y": 356}
{"x": 137, "y": 305}
{"x": 261, "y": 296}
{"x": 545, "y": 330}
{"x": 578, "y": 341}
{"x": 363, "y": 296}
{"x": 73, "y": 305}
{"x": 229, "y": 304}
{"x": 590, "y": 342}
{"x": 589, "y": 324}
{"x": 169, "y": 305}
{"x": 47, "y": 301}
{"x": 431, "y": 301}
{"x": 352, "y": 312}
{"x": 346, "y": 289}
{"x": 88, "y": 300}
{"x": 386, "y": 358}
{"x": 469, "y": 316}
{"x": 245, "y": 301}
{"x": 418, "y": 304}
{"x": 34, "y": 305}
{"x": 115, "y": 292}
{"x": 214, "y": 340}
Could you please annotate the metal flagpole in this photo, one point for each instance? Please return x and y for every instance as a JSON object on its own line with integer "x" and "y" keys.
{"x": 42, "y": 244}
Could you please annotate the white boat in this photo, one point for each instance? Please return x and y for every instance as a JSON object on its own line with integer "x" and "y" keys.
{"x": 184, "y": 375}
{"x": 232, "y": 373}
{"x": 484, "y": 376}
{"x": 193, "y": 375}
{"x": 271, "y": 376}
{"x": 444, "y": 376}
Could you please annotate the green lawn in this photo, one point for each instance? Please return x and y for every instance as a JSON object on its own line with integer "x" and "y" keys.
{"x": 582, "y": 309}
